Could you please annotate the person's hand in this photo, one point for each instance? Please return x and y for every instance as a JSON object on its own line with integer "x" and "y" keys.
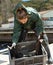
{"x": 40, "y": 39}
{"x": 14, "y": 44}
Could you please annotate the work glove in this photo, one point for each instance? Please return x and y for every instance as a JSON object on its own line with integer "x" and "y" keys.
{"x": 40, "y": 39}
{"x": 14, "y": 44}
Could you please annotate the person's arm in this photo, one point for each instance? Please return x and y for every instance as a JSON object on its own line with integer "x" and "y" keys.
{"x": 38, "y": 26}
{"x": 16, "y": 32}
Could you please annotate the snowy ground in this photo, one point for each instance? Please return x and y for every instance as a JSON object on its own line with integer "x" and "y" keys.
{"x": 51, "y": 49}
{"x": 4, "y": 57}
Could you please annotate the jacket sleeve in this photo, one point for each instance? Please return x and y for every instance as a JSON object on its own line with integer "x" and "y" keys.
{"x": 38, "y": 25}
{"x": 16, "y": 32}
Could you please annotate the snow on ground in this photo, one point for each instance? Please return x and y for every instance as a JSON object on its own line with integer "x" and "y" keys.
{"x": 51, "y": 49}
{"x": 4, "y": 59}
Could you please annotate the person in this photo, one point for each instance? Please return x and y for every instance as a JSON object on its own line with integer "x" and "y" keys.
{"x": 25, "y": 20}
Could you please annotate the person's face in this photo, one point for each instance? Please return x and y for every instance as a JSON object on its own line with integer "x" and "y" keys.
{"x": 23, "y": 21}
{"x": 22, "y": 16}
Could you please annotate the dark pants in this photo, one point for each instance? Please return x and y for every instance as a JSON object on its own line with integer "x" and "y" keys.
{"x": 46, "y": 45}
{"x": 22, "y": 36}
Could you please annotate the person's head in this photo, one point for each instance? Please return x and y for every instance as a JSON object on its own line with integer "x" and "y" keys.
{"x": 21, "y": 15}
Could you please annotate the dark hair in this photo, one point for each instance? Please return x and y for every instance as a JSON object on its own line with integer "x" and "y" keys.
{"x": 21, "y": 13}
